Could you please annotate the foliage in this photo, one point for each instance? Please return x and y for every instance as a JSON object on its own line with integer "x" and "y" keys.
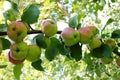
{"x": 58, "y": 61}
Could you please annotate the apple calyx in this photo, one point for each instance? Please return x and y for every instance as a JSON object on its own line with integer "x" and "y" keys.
{"x": 14, "y": 61}
{"x": 19, "y": 51}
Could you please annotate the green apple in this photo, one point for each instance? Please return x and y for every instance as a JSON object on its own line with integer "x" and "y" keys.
{"x": 49, "y": 27}
{"x": 86, "y": 35}
{"x": 19, "y": 51}
{"x": 34, "y": 53}
{"x": 95, "y": 43}
{"x": 93, "y": 29}
{"x": 106, "y": 60}
{"x": 111, "y": 43}
{"x": 12, "y": 60}
{"x": 0, "y": 46}
{"x": 17, "y": 31}
{"x": 70, "y": 36}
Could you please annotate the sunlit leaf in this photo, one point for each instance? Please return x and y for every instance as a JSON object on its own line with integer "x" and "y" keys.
{"x": 17, "y": 71}
{"x": 73, "y": 21}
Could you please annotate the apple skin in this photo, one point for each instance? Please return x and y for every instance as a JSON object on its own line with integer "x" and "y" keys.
{"x": 70, "y": 36}
{"x": 34, "y": 53}
{"x": 49, "y": 27}
{"x": 17, "y": 31}
{"x": 93, "y": 29}
{"x": 111, "y": 43}
{"x": 19, "y": 51}
{"x": 95, "y": 43}
{"x": 85, "y": 35}
{"x": 13, "y": 60}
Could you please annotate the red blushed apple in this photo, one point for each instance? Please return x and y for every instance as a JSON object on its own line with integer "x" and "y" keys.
{"x": 17, "y": 31}
{"x": 70, "y": 36}
{"x": 49, "y": 27}
{"x": 13, "y": 60}
{"x": 93, "y": 29}
{"x": 85, "y": 35}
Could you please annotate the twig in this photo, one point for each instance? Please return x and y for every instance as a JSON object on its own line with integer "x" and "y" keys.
{"x": 29, "y": 32}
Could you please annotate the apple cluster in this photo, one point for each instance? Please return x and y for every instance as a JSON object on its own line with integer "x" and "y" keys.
{"x": 84, "y": 35}
{"x": 19, "y": 50}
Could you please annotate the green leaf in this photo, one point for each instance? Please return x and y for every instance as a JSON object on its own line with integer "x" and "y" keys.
{"x": 112, "y": 0}
{"x": 31, "y": 14}
{"x": 40, "y": 40}
{"x": 62, "y": 49}
{"x": 52, "y": 50}
{"x": 103, "y": 51}
{"x": 116, "y": 34}
{"x": 5, "y": 43}
{"x": 17, "y": 71}
{"x": 73, "y": 21}
{"x": 50, "y": 53}
{"x": 54, "y": 42}
{"x": 3, "y": 66}
{"x": 76, "y": 52}
{"x": 37, "y": 65}
{"x": 110, "y": 20}
{"x": 102, "y": 2}
{"x": 11, "y": 14}
{"x": 2, "y": 27}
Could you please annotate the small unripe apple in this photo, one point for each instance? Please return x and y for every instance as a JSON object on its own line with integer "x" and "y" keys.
{"x": 118, "y": 62}
{"x": 19, "y": 51}
{"x": 17, "y": 31}
{"x": 34, "y": 53}
{"x": 94, "y": 43}
{"x": 106, "y": 60}
{"x": 111, "y": 43}
{"x": 70, "y": 36}
{"x": 49, "y": 27}
{"x": 85, "y": 35}
{"x": 12, "y": 60}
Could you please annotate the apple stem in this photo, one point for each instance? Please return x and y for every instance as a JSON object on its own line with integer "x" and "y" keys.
{"x": 30, "y": 27}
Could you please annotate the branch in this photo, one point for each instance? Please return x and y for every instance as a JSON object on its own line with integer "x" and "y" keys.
{"x": 29, "y": 32}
